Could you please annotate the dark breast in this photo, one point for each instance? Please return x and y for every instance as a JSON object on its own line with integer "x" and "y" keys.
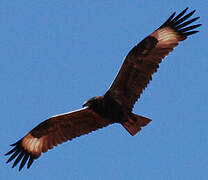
{"x": 109, "y": 109}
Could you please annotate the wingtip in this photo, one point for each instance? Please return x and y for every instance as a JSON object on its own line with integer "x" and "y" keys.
{"x": 20, "y": 169}
{"x": 185, "y": 9}
{"x": 190, "y": 33}
{"x": 20, "y": 154}
{"x": 31, "y": 160}
{"x": 173, "y": 14}
{"x": 7, "y": 154}
{"x": 181, "y": 24}
{"x": 7, "y": 161}
{"x": 14, "y": 144}
{"x": 192, "y": 12}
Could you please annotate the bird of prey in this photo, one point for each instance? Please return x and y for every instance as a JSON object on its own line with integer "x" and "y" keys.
{"x": 116, "y": 105}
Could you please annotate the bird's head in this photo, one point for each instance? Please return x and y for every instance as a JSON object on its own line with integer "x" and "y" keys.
{"x": 93, "y": 102}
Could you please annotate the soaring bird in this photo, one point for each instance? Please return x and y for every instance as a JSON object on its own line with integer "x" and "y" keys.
{"x": 116, "y": 105}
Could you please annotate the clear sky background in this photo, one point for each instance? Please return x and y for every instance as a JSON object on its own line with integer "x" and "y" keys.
{"x": 56, "y": 54}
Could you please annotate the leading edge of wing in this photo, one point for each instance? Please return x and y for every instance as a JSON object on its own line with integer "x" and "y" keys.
{"x": 75, "y": 111}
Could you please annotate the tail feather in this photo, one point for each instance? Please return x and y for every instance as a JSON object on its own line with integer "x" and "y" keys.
{"x": 135, "y": 123}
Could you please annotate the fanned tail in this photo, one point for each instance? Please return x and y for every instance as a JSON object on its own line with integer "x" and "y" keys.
{"x": 135, "y": 123}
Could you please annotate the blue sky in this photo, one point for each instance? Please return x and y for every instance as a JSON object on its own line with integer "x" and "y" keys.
{"x": 57, "y": 54}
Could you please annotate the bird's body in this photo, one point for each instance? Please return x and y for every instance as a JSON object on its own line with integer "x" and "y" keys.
{"x": 116, "y": 105}
{"x": 107, "y": 107}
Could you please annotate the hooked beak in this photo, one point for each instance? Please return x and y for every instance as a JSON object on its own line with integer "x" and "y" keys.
{"x": 85, "y": 104}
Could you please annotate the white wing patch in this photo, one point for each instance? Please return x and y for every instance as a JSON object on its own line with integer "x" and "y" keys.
{"x": 167, "y": 37}
{"x": 32, "y": 144}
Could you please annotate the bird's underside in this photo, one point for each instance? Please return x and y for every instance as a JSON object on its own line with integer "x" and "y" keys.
{"x": 115, "y": 106}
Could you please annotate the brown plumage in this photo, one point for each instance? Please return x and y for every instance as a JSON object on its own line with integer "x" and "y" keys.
{"x": 115, "y": 106}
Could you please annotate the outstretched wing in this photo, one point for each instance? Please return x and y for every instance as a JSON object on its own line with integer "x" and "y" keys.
{"x": 54, "y": 131}
{"x": 143, "y": 60}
